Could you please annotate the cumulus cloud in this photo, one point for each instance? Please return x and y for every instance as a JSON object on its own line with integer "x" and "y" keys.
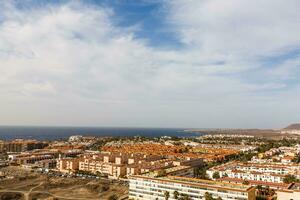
{"x": 69, "y": 64}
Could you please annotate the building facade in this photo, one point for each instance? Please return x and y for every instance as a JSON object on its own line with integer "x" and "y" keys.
{"x": 21, "y": 145}
{"x": 147, "y": 188}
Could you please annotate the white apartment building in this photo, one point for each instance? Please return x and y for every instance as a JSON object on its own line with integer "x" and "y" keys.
{"x": 255, "y": 176}
{"x": 268, "y": 172}
{"x": 147, "y": 188}
{"x": 292, "y": 193}
{"x": 269, "y": 167}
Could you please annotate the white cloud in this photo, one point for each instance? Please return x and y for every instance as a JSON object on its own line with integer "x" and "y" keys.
{"x": 38, "y": 89}
{"x": 70, "y": 65}
{"x": 238, "y": 27}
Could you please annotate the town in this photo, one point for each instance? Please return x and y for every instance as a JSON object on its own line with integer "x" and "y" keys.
{"x": 218, "y": 166}
{"x": 149, "y": 100}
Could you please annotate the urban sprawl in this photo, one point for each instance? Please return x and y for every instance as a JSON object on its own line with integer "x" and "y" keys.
{"x": 208, "y": 167}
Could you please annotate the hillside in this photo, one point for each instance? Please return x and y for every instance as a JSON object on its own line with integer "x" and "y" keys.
{"x": 293, "y": 126}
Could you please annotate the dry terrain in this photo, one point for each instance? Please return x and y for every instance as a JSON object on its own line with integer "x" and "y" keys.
{"x": 23, "y": 184}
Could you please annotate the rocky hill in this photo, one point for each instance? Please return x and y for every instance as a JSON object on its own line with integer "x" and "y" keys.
{"x": 293, "y": 127}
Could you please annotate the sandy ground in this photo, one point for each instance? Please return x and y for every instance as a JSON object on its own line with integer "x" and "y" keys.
{"x": 28, "y": 185}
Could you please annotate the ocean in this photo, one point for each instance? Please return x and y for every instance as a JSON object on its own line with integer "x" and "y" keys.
{"x": 56, "y": 133}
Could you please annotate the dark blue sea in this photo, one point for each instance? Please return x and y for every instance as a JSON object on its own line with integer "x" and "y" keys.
{"x": 55, "y": 133}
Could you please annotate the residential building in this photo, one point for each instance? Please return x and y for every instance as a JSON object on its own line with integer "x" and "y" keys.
{"x": 288, "y": 195}
{"x": 150, "y": 186}
{"x": 20, "y": 145}
{"x": 47, "y": 164}
{"x": 268, "y": 172}
{"x": 68, "y": 164}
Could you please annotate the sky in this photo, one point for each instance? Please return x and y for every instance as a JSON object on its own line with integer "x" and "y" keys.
{"x": 150, "y": 63}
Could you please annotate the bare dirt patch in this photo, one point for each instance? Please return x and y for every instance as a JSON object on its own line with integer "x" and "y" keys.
{"x": 42, "y": 187}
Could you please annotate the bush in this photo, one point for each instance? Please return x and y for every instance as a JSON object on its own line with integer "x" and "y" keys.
{"x": 216, "y": 175}
{"x": 290, "y": 179}
{"x": 11, "y": 196}
{"x": 113, "y": 197}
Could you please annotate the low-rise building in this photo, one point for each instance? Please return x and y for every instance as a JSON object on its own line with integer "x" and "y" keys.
{"x": 28, "y": 158}
{"x": 117, "y": 165}
{"x": 275, "y": 186}
{"x": 106, "y": 168}
{"x": 292, "y": 193}
{"x": 288, "y": 195}
{"x": 20, "y": 145}
{"x": 268, "y": 172}
{"x": 47, "y": 164}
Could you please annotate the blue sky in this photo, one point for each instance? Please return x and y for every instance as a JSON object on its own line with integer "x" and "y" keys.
{"x": 148, "y": 16}
{"x": 179, "y": 63}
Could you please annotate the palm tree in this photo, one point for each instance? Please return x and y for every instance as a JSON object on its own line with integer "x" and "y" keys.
{"x": 98, "y": 173}
{"x": 167, "y": 195}
{"x": 176, "y": 194}
{"x": 208, "y": 196}
{"x": 267, "y": 190}
{"x": 259, "y": 189}
{"x": 245, "y": 182}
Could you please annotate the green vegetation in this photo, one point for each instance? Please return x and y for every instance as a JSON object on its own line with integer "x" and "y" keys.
{"x": 246, "y": 182}
{"x": 161, "y": 173}
{"x": 290, "y": 179}
{"x": 216, "y": 175}
{"x": 166, "y": 195}
{"x": 269, "y": 144}
{"x": 113, "y": 197}
{"x": 296, "y": 159}
{"x": 264, "y": 193}
{"x": 209, "y": 196}
{"x": 200, "y": 172}
{"x": 176, "y": 194}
